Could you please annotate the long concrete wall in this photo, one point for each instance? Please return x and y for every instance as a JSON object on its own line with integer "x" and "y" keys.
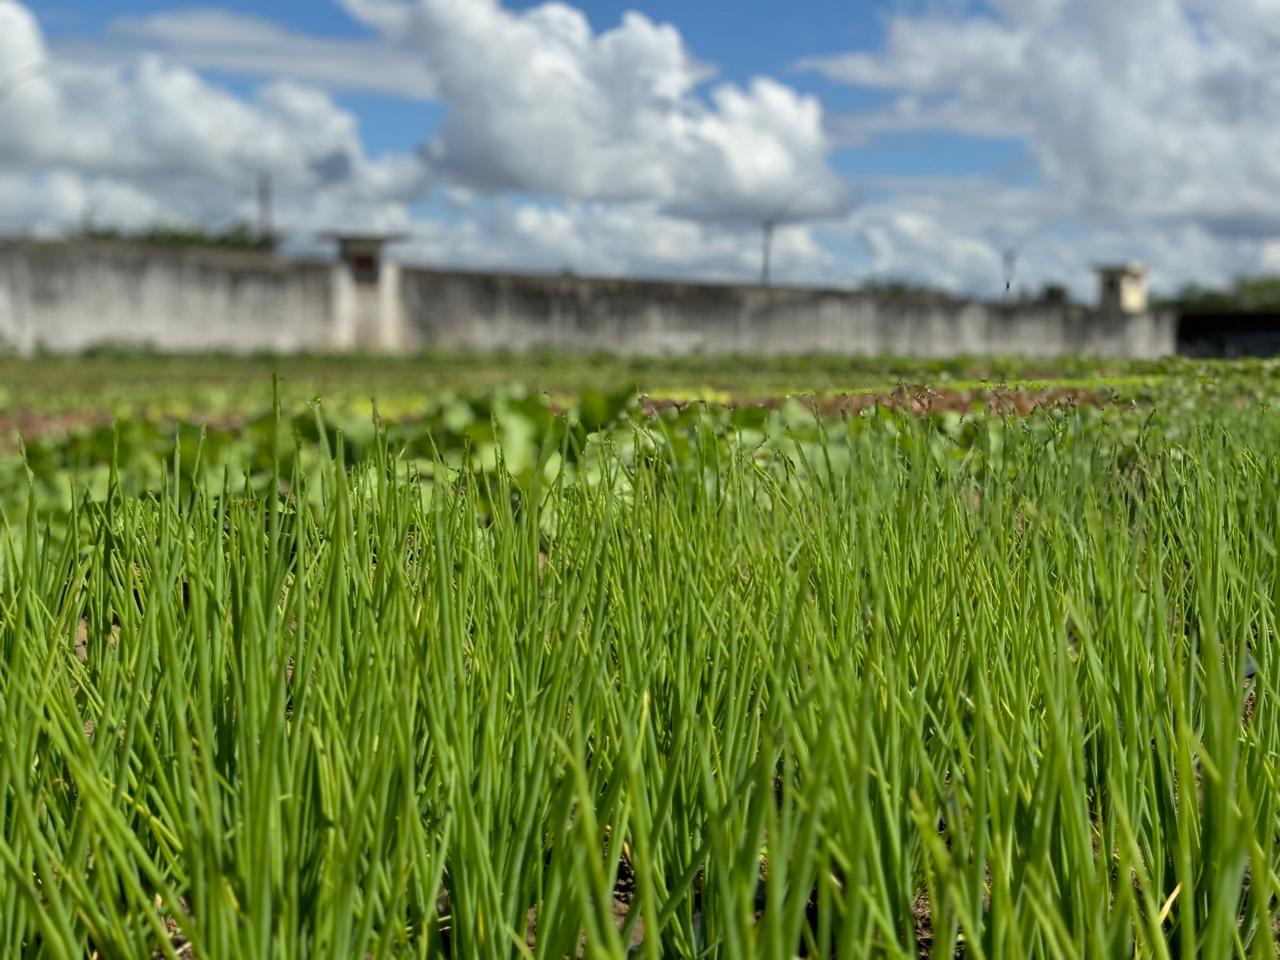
{"x": 67, "y": 297}
{"x": 488, "y": 311}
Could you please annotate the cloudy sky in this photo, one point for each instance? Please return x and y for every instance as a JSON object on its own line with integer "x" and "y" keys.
{"x": 903, "y": 140}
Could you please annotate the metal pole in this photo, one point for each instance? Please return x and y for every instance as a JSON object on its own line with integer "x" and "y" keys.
{"x": 264, "y": 206}
{"x": 766, "y": 252}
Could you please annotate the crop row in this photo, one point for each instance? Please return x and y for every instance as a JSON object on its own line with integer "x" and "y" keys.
{"x": 684, "y": 685}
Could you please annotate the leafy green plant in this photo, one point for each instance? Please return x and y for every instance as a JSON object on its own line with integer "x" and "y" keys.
{"x": 705, "y": 682}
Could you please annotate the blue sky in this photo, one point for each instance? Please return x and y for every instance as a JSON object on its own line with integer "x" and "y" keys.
{"x": 758, "y": 36}
{"x": 739, "y": 38}
{"x": 904, "y": 139}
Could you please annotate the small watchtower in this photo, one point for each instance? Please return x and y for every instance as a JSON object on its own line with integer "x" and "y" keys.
{"x": 1122, "y": 289}
{"x": 368, "y": 314}
{"x": 362, "y": 252}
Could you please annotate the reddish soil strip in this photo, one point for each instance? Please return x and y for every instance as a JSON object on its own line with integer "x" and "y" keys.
{"x": 33, "y": 425}
{"x": 923, "y": 400}
{"x": 920, "y": 400}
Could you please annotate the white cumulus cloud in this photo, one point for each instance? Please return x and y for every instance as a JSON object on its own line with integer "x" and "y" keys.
{"x": 208, "y": 38}
{"x": 610, "y": 239}
{"x": 1144, "y": 109}
{"x": 536, "y": 101}
{"x": 149, "y": 139}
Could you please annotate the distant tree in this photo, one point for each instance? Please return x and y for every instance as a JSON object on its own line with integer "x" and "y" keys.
{"x": 1245, "y": 295}
{"x": 1054, "y": 293}
{"x": 240, "y": 236}
{"x": 1259, "y": 293}
{"x": 893, "y": 286}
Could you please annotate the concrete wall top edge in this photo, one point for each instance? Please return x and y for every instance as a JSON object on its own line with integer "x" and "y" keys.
{"x": 650, "y": 285}
{"x": 122, "y": 249}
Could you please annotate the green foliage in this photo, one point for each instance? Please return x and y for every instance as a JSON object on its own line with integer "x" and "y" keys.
{"x": 317, "y": 684}
{"x": 1245, "y": 295}
{"x": 895, "y": 287}
{"x": 240, "y": 236}
{"x": 1054, "y": 293}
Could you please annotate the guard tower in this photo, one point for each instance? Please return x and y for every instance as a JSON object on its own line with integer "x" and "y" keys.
{"x": 1122, "y": 289}
{"x": 366, "y": 293}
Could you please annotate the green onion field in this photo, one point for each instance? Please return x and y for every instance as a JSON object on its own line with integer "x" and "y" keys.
{"x": 486, "y": 658}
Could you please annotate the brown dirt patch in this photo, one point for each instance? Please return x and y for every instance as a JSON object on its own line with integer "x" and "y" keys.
{"x": 921, "y": 400}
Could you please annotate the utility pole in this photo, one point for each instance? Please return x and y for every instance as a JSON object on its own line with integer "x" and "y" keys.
{"x": 1010, "y": 265}
{"x": 782, "y": 213}
{"x": 264, "y": 206}
{"x": 766, "y": 252}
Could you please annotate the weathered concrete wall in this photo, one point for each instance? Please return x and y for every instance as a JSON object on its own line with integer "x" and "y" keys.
{"x": 520, "y": 312}
{"x": 67, "y": 297}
